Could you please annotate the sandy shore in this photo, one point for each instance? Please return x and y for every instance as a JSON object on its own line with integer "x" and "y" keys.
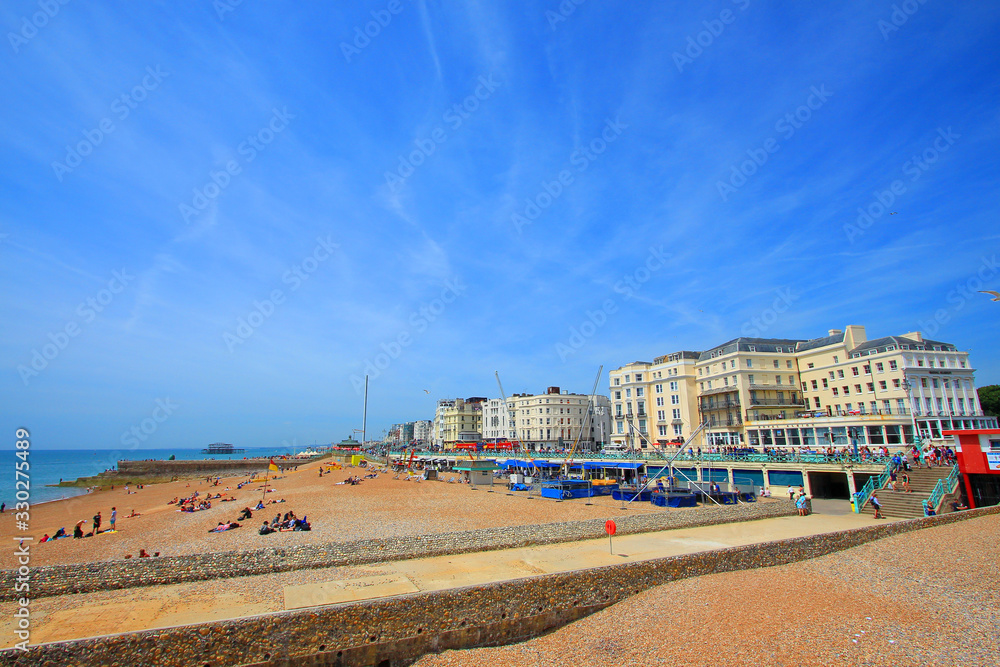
{"x": 928, "y": 597}
{"x": 382, "y": 507}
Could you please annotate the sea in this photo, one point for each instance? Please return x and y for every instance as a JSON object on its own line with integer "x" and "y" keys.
{"x": 50, "y": 466}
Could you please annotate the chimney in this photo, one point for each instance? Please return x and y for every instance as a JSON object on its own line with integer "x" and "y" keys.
{"x": 915, "y": 335}
{"x": 854, "y": 335}
{"x": 834, "y": 332}
{"x": 552, "y": 390}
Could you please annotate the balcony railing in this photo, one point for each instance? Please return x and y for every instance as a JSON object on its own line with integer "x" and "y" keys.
{"x": 721, "y": 405}
{"x": 782, "y": 402}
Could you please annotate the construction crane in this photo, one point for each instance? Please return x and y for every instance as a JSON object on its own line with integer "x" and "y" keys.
{"x": 585, "y": 422}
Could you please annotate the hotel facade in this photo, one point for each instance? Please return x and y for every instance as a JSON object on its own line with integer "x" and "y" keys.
{"x": 838, "y": 390}
{"x": 554, "y": 419}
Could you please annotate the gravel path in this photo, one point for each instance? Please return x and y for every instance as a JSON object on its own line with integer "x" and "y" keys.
{"x": 930, "y": 597}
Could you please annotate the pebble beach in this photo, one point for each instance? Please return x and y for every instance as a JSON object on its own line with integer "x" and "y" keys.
{"x": 375, "y": 508}
{"x": 928, "y": 597}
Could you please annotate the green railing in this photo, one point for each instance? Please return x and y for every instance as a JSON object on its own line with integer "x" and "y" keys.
{"x": 704, "y": 457}
{"x": 942, "y": 488}
{"x": 874, "y": 483}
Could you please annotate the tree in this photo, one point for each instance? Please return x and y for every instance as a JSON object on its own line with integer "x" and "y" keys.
{"x": 989, "y": 399}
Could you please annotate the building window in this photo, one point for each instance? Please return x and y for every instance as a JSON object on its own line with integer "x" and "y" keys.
{"x": 638, "y": 377}
{"x": 816, "y": 399}
{"x": 882, "y": 385}
{"x": 895, "y": 383}
{"x": 857, "y": 389}
{"x": 751, "y": 348}
{"x": 847, "y": 392}
{"x": 811, "y": 365}
{"x": 676, "y": 412}
{"x": 628, "y": 391}
{"x": 815, "y": 385}
{"x": 659, "y": 389}
{"x": 777, "y": 364}
{"x": 826, "y": 384}
{"x": 662, "y": 430}
{"x": 638, "y": 391}
{"x": 777, "y": 379}
{"x": 867, "y": 368}
{"x": 789, "y": 363}
{"x": 617, "y": 382}
{"x": 879, "y": 368}
{"x": 835, "y": 392}
{"x": 673, "y": 386}
{"x": 678, "y": 429}
{"x": 871, "y": 387}
{"x": 659, "y": 400}
{"x": 675, "y": 399}
{"x": 855, "y": 371}
{"x": 750, "y": 361}
{"x": 750, "y": 379}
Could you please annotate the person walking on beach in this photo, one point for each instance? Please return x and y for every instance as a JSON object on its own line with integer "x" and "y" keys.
{"x": 97, "y": 523}
{"x": 114, "y": 517}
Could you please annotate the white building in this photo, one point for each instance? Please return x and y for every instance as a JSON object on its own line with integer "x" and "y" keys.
{"x": 551, "y": 420}
{"x": 423, "y": 431}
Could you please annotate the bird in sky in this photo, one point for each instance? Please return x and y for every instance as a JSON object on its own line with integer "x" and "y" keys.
{"x": 427, "y": 391}
{"x": 894, "y": 213}
{"x": 996, "y": 295}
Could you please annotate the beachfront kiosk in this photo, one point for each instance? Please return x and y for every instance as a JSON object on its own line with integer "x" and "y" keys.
{"x": 477, "y": 473}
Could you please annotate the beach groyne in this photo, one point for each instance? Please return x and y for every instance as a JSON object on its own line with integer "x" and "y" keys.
{"x": 202, "y": 468}
{"x": 396, "y": 631}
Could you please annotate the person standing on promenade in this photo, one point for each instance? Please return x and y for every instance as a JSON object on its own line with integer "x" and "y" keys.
{"x": 877, "y": 505}
{"x": 114, "y": 517}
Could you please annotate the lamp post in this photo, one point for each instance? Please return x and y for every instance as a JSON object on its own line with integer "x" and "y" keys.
{"x": 913, "y": 416}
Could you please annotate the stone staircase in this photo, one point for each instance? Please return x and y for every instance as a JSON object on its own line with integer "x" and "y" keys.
{"x": 903, "y": 505}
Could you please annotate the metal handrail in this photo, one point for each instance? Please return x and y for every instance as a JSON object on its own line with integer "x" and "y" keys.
{"x": 862, "y": 496}
{"x": 943, "y": 487}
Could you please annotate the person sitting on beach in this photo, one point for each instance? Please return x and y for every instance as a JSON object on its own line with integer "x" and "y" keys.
{"x": 143, "y": 554}
{"x": 133, "y": 514}
{"x": 266, "y": 529}
{"x": 260, "y": 505}
{"x": 46, "y": 538}
{"x": 59, "y": 533}
{"x": 245, "y": 514}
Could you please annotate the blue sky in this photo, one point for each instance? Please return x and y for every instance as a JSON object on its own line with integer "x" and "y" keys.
{"x": 216, "y": 216}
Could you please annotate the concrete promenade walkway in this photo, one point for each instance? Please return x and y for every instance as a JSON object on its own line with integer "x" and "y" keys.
{"x": 95, "y": 614}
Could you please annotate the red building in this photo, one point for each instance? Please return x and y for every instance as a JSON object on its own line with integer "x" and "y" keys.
{"x": 978, "y": 452}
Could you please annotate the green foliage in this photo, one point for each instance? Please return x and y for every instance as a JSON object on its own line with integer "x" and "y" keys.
{"x": 989, "y": 399}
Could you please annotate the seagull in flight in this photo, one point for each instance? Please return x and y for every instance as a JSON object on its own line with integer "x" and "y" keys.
{"x": 996, "y": 295}
{"x": 427, "y": 391}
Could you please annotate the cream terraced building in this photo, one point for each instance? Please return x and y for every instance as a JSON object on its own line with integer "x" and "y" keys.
{"x": 654, "y": 403}
{"x": 840, "y": 389}
{"x": 458, "y": 420}
{"x": 554, "y": 419}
